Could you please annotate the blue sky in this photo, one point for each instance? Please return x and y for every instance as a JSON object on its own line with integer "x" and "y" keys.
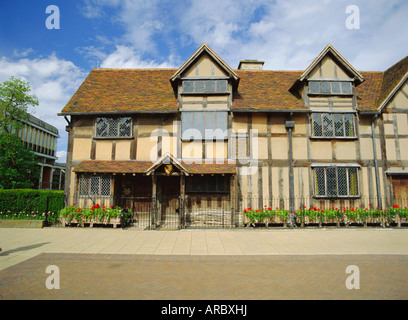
{"x": 286, "y": 34}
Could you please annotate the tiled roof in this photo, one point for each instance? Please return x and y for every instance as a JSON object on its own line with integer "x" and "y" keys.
{"x": 266, "y": 90}
{"x": 150, "y": 90}
{"x": 95, "y": 166}
{"x": 108, "y": 167}
{"x": 392, "y": 77}
{"x": 124, "y": 90}
{"x": 369, "y": 91}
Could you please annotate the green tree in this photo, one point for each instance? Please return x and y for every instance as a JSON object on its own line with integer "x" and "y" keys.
{"x": 15, "y": 99}
{"x": 18, "y": 166}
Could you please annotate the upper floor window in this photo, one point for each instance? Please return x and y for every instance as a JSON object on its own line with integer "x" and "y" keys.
{"x": 113, "y": 127}
{"x": 330, "y": 87}
{"x": 204, "y": 125}
{"x": 205, "y": 86}
{"x": 333, "y": 125}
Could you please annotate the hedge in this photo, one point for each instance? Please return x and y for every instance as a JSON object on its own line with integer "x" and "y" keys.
{"x": 31, "y": 204}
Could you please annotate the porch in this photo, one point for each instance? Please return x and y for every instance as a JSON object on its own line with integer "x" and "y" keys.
{"x": 167, "y": 194}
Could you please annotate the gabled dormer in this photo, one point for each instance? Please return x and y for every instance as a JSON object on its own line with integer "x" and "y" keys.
{"x": 327, "y": 88}
{"x": 204, "y": 73}
{"x": 204, "y": 86}
{"x": 329, "y": 75}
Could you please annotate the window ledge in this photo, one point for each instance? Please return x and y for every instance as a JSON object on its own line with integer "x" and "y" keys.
{"x": 113, "y": 138}
{"x": 333, "y": 138}
{"x": 331, "y": 94}
{"x": 205, "y": 93}
{"x": 337, "y": 197}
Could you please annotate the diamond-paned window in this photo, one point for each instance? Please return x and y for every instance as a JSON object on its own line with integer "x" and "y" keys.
{"x": 336, "y": 181}
{"x": 94, "y": 185}
{"x": 333, "y": 125}
{"x": 114, "y": 127}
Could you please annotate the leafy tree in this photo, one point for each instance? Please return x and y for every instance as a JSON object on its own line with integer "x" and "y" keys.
{"x": 14, "y": 102}
{"x": 18, "y": 166}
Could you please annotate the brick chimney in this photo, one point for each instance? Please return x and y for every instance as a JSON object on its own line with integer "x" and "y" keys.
{"x": 250, "y": 65}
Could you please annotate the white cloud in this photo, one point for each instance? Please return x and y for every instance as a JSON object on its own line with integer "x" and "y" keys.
{"x": 62, "y": 156}
{"x": 127, "y": 57}
{"x": 52, "y": 80}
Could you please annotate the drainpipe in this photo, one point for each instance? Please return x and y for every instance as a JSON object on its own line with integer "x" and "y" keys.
{"x": 377, "y": 176}
{"x": 290, "y": 125}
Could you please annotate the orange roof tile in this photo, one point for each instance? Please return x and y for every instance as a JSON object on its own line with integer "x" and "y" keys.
{"x": 124, "y": 90}
{"x": 266, "y": 90}
{"x": 115, "y": 166}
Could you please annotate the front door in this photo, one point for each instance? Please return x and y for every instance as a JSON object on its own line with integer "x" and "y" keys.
{"x": 168, "y": 202}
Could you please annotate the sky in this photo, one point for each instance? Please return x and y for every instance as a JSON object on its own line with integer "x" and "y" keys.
{"x": 54, "y": 50}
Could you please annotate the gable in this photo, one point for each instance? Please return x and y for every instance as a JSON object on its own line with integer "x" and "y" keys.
{"x": 328, "y": 61}
{"x": 329, "y": 68}
{"x": 204, "y": 66}
{"x": 201, "y": 56}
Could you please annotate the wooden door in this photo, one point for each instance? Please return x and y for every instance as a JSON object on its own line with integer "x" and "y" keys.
{"x": 400, "y": 189}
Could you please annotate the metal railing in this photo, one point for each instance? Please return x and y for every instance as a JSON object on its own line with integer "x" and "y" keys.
{"x": 217, "y": 211}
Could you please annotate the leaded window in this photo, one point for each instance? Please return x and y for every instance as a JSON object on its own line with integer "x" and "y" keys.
{"x": 205, "y": 86}
{"x": 333, "y": 125}
{"x": 94, "y": 186}
{"x": 113, "y": 127}
{"x": 336, "y": 181}
{"x": 204, "y": 125}
{"x": 330, "y": 87}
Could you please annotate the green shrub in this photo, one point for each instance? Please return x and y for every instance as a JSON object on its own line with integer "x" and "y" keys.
{"x": 28, "y": 204}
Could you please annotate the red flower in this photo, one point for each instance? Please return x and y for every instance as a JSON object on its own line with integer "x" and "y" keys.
{"x": 112, "y": 207}
{"x": 269, "y": 208}
{"x": 245, "y": 211}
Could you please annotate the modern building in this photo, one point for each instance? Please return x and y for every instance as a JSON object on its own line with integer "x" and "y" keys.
{"x": 326, "y": 135}
{"x": 41, "y": 138}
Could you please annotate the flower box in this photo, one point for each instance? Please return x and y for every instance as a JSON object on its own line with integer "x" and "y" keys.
{"x": 112, "y": 221}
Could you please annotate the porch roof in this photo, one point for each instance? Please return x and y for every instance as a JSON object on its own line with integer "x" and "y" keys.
{"x": 116, "y": 166}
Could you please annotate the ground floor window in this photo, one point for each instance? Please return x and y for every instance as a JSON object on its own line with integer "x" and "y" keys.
{"x": 207, "y": 184}
{"x": 94, "y": 185}
{"x": 336, "y": 181}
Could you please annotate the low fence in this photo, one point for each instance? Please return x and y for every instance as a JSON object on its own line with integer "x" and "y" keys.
{"x": 218, "y": 211}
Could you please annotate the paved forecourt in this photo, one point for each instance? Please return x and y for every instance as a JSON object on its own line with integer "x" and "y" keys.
{"x": 250, "y": 264}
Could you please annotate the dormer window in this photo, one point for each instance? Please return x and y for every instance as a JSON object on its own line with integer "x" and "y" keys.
{"x": 205, "y": 86}
{"x": 330, "y": 87}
